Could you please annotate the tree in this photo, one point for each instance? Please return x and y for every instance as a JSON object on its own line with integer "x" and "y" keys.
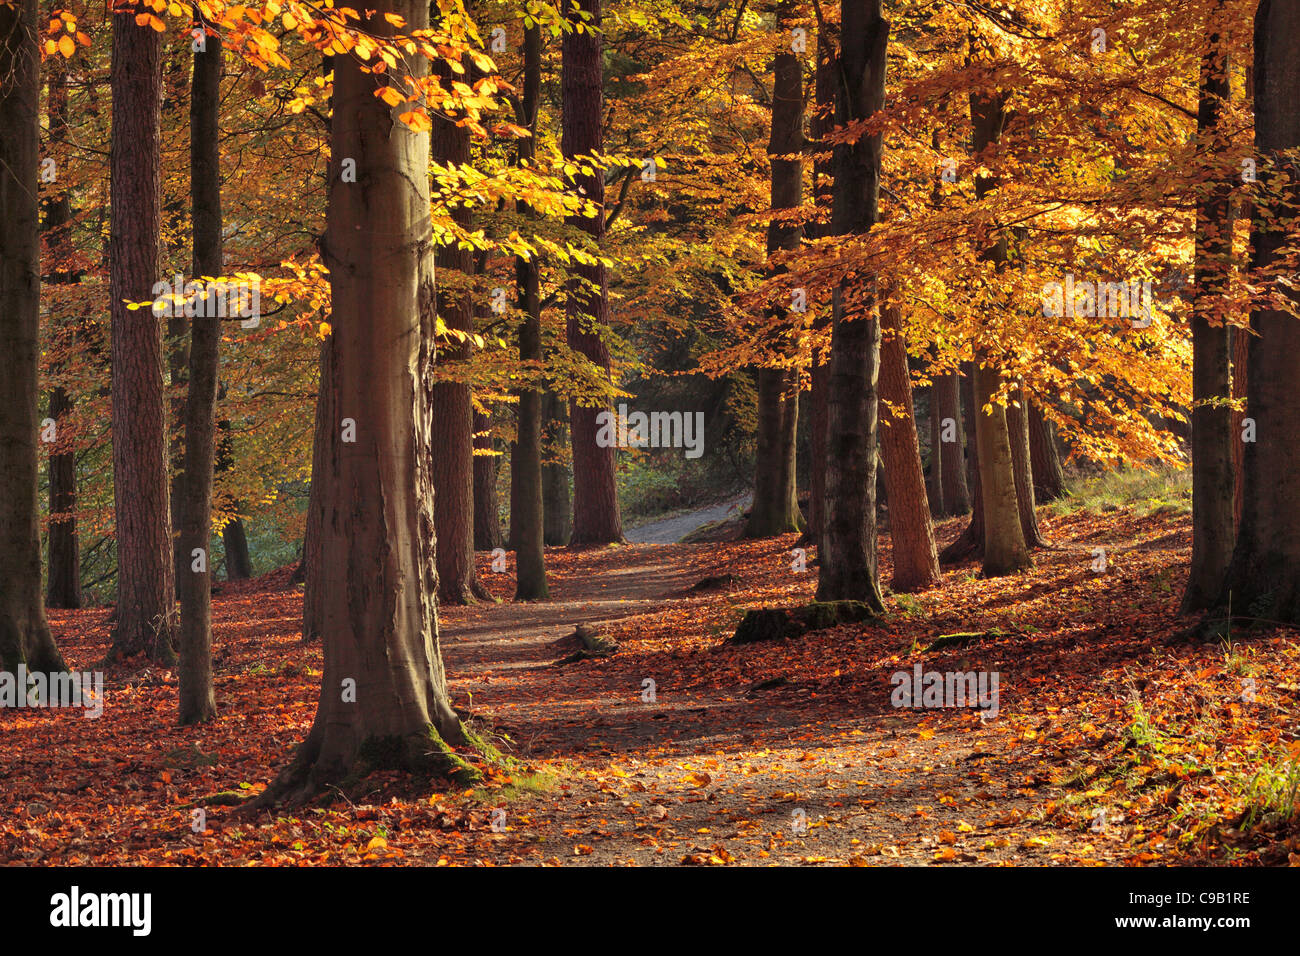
{"x": 197, "y": 700}
{"x": 557, "y": 515}
{"x": 1005, "y": 549}
{"x": 24, "y": 632}
{"x": 1022, "y": 465}
{"x": 383, "y": 695}
{"x": 1213, "y": 492}
{"x": 146, "y": 614}
{"x": 847, "y": 548}
{"x": 775, "y": 508}
{"x": 487, "y": 514}
{"x": 1263, "y": 580}
{"x": 595, "y": 495}
{"x": 916, "y": 563}
{"x": 64, "y": 569}
{"x": 453, "y": 408}
{"x": 948, "y": 455}
{"x": 1049, "y": 479}
{"x": 527, "y": 531}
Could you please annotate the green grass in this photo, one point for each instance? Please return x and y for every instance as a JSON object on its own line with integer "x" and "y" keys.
{"x": 1272, "y": 794}
{"x": 1162, "y": 490}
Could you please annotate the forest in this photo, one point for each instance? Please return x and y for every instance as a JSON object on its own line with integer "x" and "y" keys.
{"x": 647, "y": 433}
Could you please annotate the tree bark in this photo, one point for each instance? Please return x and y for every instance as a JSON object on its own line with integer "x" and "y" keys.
{"x": 1049, "y": 478}
{"x": 527, "y": 531}
{"x": 453, "y": 409}
{"x": 557, "y": 512}
{"x": 384, "y": 698}
{"x": 1213, "y": 476}
{"x": 847, "y": 548}
{"x": 971, "y": 540}
{"x": 775, "y": 508}
{"x": 146, "y": 612}
{"x": 1263, "y": 580}
{"x": 956, "y": 492}
{"x": 487, "y": 514}
{"x": 197, "y": 700}
{"x": 1005, "y": 549}
{"x": 63, "y": 588}
{"x": 24, "y": 633}
{"x": 916, "y": 563}
{"x": 1022, "y": 464}
{"x": 596, "y": 517}
{"x": 234, "y": 539}
{"x": 327, "y": 434}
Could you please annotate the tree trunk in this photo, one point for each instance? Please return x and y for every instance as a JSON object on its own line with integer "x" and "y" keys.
{"x": 557, "y": 512}
{"x": 63, "y": 589}
{"x": 1240, "y": 360}
{"x": 971, "y": 540}
{"x": 1005, "y": 549}
{"x": 595, "y": 495}
{"x": 916, "y": 563}
{"x": 1213, "y": 491}
{"x": 1021, "y": 460}
{"x": 384, "y": 698}
{"x": 24, "y": 633}
{"x": 526, "y": 510}
{"x": 1049, "y": 478}
{"x": 146, "y": 612}
{"x": 327, "y": 434}
{"x": 487, "y": 514}
{"x": 453, "y": 410}
{"x": 847, "y": 548}
{"x": 775, "y": 509}
{"x": 234, "y": 538}
{"x": 197, "y": 700}
{"x": 1263, "y": 580}
{"x": 956, "y": 492}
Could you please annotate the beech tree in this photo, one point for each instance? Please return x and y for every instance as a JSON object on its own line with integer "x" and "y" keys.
{"x": 146, "y": 613}
{"x": 24, "y": 632}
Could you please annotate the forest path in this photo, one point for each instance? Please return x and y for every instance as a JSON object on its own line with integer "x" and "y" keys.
{"x": 671, "y": 530}
{"x": 738, "y": 755}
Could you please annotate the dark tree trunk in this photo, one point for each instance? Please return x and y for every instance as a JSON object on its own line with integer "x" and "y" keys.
{"x": 24, "y": 633}
{"x": 197, "y": 701}
{"x": 956, "y": 493}
{"x": 526, "y": 510}
{"x": 1240, "y": 360}
{"x": 1213, "y": 476}
{"x": 146, "y": 611}
{"x": 847, "y": 549}
{"x": 595, "y": 494}
{"x": 1005, "y": 549}
{"x": 1049, "y": 478}
{"x": 822, "y": 122}
{"x": 776, "y": 501}
{"x": 327, "y": 435}
{"x": 63, "y": 588}
{"x": 934, "y": 478}
{"x": 384, "y": 697}
{"x": 1263, "y": 580}
{"x": 916, "y": 564}
{"x": 971, "y": 540}
{"x": 487, "y": 514}
{"x": 1022, "y": 464}
{"x": 557, "y": 512}
{"x": 453, "y": 411}
{"x": 239, "y": 564}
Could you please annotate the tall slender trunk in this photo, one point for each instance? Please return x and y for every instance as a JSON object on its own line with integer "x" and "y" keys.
{"x": 1263, "y": 580}
{"x": 453, "y": 411}
{"x": 197, "y": 700}
{"x": 63, "y": 589}
{"x": 384, "y": 696}
{"x": 847, "y": 548}
{"x": 146, "y": 612}
{"x": 776, "y": 506}
{"x": 1005, "y": 549}
{"x": 1213, "y": 491}
{"x": 527, "y": 534}
{"x": 557, "y": 512}
{"x": 822, "y": 122}
{"x": 1049, "y": 478}
{"x": 1022, "y": 465}
{"x": 916, "y": 563}
{"x": 487, "y": 514}
{"x": 234, "y": 539}
{"x": 971, "y": 539}
{"x": 24, "y": 632}
{"x": 326, "y": 435}
{"x": 595, "y": 494}
{"x": 956, "y": 492}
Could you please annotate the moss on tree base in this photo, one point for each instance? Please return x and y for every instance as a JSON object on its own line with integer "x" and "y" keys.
{"x": 771, "y": 624}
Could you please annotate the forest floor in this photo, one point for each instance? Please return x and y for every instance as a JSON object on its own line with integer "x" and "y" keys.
{"x": 1108, "y": 747}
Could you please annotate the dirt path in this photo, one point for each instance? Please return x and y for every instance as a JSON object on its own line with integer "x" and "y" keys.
{"x": 672, "y": 530}
{"x": 730, "y": 773}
